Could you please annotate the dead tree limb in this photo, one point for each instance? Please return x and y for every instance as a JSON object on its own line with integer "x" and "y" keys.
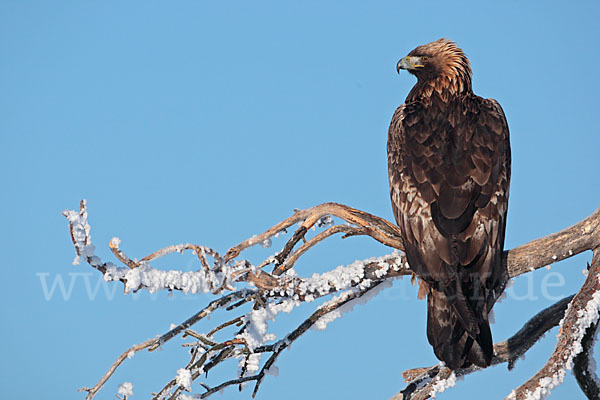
{"x": 283, "y": 290}
{"x": 421, "y": 381}
{"x": 584, "y": 366}
{"x": 583, "y": 236}
{"x": 581, "y": 314}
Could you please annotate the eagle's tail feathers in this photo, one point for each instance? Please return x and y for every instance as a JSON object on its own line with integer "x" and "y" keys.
{"x": 457, "y": 300}
{"x": 451, "y": 342}
{"x": 482, "y": 350}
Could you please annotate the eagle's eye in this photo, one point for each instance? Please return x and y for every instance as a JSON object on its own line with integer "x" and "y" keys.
{"x": 424, "y": 58}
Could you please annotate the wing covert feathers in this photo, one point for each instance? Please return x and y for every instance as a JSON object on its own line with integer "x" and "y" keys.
{"x": 449, "y": 172}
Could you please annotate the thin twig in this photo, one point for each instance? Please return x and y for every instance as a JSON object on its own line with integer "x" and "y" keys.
{"x": 224, "y": 325}
{"x": 307, "y": 324}
{"x": 126, "y": 354}
{"x": 116, "y": 250}
{"x": 212, "y": 306}
{"x": 200, "y": 252}
{"x": 292, "y": 258}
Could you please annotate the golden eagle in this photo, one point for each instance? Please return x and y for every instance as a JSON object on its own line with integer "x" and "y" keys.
{"x": 449, "y": 171}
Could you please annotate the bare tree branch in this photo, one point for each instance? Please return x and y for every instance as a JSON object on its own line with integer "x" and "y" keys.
{"x": 214, "y": 305}
{"x": 421, "y": 381}
{"x": 378, "y": 228}
{"x": 583, "y": 236}
{"x": 126, "y": 354}
{"x": 281, "y": 290}
{"x": 581, "y": 314}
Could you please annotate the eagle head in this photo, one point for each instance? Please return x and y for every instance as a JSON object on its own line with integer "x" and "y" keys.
{"x": 439, "y": 59}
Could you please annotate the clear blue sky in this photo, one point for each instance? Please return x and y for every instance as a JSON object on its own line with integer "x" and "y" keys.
{"x": 207, "y": 122}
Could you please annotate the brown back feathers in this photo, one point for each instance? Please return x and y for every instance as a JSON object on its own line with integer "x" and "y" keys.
{"x": 449, "y": 173}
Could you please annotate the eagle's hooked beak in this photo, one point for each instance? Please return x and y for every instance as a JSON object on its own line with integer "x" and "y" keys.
{"x": 409, "y": 62}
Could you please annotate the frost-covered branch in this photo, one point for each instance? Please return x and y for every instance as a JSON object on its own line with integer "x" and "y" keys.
{"x": 274, "y": 292}
{"x": 126, "y": 354}
{"x": 422, "y": 382}
{"x": 582, "y": 236}
{"x": 319, "y": 319}
{"x": 581, "y": 314}
{"x": 584, "y": 366}
{"x": 580, "y": 318}
{"x": 246, "y": 332}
